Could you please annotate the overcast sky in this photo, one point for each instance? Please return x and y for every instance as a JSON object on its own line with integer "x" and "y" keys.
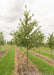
{"x": 12, "y": 10}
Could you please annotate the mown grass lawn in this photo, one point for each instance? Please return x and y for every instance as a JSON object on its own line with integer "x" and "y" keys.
{"x": 41, "y": 65}
{"x": 7, "y": 62}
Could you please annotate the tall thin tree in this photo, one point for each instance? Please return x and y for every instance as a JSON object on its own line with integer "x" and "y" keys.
{"x": 28, "y": 34}
{"x": 50, "y": 42}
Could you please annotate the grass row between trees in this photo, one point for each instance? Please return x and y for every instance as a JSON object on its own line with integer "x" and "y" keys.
{"x": 5, "y": 47}
{"x": 47, "y": 54}
{"x": 44, "y": 49}
{"x": 41, "y": 65}
{"x": 7, "y": 62}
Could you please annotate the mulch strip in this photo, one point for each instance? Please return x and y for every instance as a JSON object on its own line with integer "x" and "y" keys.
{"x": 21, "y": 64}
{"x": 2, "y": 53}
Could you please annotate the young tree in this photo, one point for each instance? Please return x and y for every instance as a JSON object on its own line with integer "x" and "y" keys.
{"x": 50, "y": 42}
{"x": 1, "y": 39}
{"x": 28, "y": 34}
{"x": 11, "y": 42}
{"x": 41, "y": 41}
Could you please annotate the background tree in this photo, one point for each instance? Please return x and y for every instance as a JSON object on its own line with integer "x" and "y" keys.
{"x": 11, "y": 42}
{"x": 41, "y": 38}
{"x": 2, "y": 41}
{"x": 50, "y": 42}
{"x": 28, "y": 34}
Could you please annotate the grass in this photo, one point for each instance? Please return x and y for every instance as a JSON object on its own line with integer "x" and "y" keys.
{"x": 1, "y": 46}
{"x": 47, "y": 54}
{"x": 45, "y": 49}
{"x": 7, "y": 62}
{"x": 5, "y": 47}
{"x": 41, "y": 65}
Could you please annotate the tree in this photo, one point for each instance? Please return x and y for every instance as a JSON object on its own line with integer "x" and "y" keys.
{"x": 50, "y": 42}
{"x": 11, "y": 42}
{"x": 2, "y": 41}
{"x": 28, "y": 34}
{"x": 41, "y": 41}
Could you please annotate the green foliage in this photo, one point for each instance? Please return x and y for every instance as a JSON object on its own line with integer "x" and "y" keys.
{"x": 2, "y": 42}
{"x": 50, "y": 40}
{"x": 28, "y": 33}
{"x": 11, "y": 42}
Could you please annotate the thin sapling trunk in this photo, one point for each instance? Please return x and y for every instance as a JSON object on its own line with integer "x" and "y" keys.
{"x": 39, "y": 52}
{"x": 27, "y": 57}
{"x": 51, "y": 54}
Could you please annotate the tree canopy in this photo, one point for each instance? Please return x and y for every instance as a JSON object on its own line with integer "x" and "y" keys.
{"x": 2, "y": 41}
{"x": 28, "y": 34}
{"x": 50, "y": 40}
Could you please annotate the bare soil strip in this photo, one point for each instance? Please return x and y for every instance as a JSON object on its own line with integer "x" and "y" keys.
{"x": 43, "y": 57}
{"x": 16, "y": 63}
{"x": 1, "y": 47}
{"x": 21, "y": 65}
{"x": 45, "y": 51}
{"x": 2, "y": 53}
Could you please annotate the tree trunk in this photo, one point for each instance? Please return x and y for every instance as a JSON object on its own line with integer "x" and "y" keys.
{"x": 51, "y": 54}
{"x": 39, "y": 52}
{"x": 27, "y": 57}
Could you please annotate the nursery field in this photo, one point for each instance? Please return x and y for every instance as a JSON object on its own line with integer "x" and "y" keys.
{"x": 13, "y": 61}
{"x": 42, "y": 66}
{"x": 3, "y": 47}
{"x": 26, "y": 45}
{"x": 7, "y": 62}
{"x": 44, "y": 49}
{"x": 44, "y": 52}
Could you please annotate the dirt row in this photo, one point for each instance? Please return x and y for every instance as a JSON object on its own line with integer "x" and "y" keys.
{"x": 2, "y": 53}
{"x": 43, "y": 57}
{"x": 21, "y": 64}
{"x": 1, "y": 47}
{"x": 45, "y": 51}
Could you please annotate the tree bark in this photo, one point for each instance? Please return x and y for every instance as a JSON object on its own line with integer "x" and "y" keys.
{"x": 51, "y": 54}
{"x": 39, "y": 52}
{"x": 27, "y": 57}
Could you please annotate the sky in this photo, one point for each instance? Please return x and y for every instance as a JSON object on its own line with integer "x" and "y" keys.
{"x": 12, "y": 10}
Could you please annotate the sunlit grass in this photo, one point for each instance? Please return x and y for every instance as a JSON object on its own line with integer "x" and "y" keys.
{"x": 47, "y": 54}
{"x": 4, "y": 47}
{"x": 7, "y": 62}
{"x": 41, "y": 65}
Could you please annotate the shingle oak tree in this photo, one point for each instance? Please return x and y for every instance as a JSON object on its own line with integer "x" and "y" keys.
{"x": 50, "y": 42}
{"x": 28, "y": 34}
